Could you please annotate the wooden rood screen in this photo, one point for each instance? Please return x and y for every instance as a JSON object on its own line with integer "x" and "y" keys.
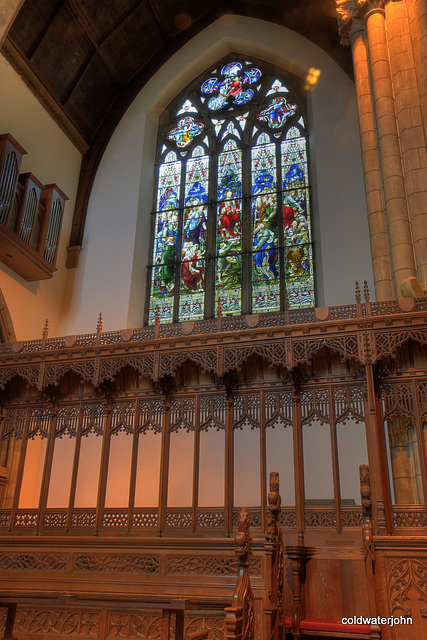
{"x": 144, "y": 465}
{"x": 130, "y": 453}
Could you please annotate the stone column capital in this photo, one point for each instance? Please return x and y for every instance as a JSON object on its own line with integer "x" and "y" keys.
{"x": 352, "y": 14}
{"x": 349, "y": 18}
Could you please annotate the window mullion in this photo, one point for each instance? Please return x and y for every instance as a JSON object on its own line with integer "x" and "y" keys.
{"x": 210, "y": 263}
{"x": 281, "y": 250}
{"x": 246, "y": 229}
{"x": 178, "y": 257}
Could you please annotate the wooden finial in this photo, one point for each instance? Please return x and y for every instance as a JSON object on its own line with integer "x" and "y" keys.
{"x": 219, "y": 316}
{"x": 243, "y": 538}
{"x": 274, "y": 507}
{"x": 45, "y": 329}
{"x": 157, "y": 322}
{"x": 365, "y": 488}
{"x": 358, "y": 298}
{"x": 287, "y": 317}
{"x": 366, "y": 290}
{"x": 99, "y": 325}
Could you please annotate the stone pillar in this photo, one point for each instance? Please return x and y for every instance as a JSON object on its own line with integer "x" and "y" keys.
{"x": 399, "y": 231}
{"x": 8, "y": 11}
{"x": 417, "y": 14}
{"x": 410, "y": 126}
{"x": 352, "y": 32}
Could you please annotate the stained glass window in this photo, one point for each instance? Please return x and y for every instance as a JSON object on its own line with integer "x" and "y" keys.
{"x": 232, "y": 218}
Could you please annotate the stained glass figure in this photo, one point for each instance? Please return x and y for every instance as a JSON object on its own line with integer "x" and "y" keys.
{"x": 263, "y": 166}
{"x": 298, "y": 250}
{"x": 192, "y": 281}
{"x": 187, "y": 107}
{"x": 277, "y": 112}
{"x": 232, "y": 88}
{"x": 294, "y": 163}
{"x": 277, "y": 86}
{"x": 169, "y": 183}
{"x": 185, "y": 131}
{"x": 229, "y": 230}
{"x": 265, "y": 266}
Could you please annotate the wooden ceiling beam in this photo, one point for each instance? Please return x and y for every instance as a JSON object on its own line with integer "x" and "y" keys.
{"x": 80, "y": 17}
{"x": 42, "y": 35}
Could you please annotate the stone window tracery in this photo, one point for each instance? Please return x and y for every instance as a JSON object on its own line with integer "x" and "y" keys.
{"x": 232, "y": 219}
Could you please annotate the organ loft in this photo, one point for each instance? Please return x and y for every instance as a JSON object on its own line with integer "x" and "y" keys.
{"x": 213, "y": 366}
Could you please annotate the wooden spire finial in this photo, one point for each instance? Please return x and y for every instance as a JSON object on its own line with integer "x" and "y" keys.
{"x": 366, "y": 291}
{"x": 358, "y": 298}
{"x": 45, "y": 329}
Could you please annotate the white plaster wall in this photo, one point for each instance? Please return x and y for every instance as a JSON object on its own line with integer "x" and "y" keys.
{"x": 53, "y": 158}
{"x": 111, "y": 276}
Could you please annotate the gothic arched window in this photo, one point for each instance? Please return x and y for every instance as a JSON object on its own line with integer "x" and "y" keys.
{"x": 232, "y": 206}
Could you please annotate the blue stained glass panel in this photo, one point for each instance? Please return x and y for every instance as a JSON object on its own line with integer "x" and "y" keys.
{"x": 185, "y": 131}
{"x": 263, "y": 166}
{"x": 232, "y": 87}
{"x": 294, "y": 163}
{"x": 277, "y": 112}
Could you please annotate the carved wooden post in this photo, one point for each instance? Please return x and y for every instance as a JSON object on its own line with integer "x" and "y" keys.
{"x": 103, "y": 470}
{"x": 298, "y": 557}
{"x": 367, "y": 531}
{"x": 20, "y": 472}
{"x": 239, "y": 619}
{"x": 273, "y": 603}
{"x": 44, "y": 490}
{"x": 10, "y": 622}
{"x": 164, "y": 466}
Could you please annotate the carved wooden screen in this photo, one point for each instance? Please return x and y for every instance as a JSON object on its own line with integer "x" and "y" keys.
{"x": 232, "y": 212}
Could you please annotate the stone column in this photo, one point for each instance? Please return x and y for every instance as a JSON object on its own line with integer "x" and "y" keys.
{"x": 410, "y": 126}
{"x": 352, "y": 31}
{"x": 399, "y": 231}
{"x": 8, "y": 11}
{"x": 417, "y": 14}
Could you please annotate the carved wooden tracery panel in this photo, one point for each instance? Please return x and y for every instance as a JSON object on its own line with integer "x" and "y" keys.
{"x": 150, "y": 415}
{"x": 406, "y": 575}
{"x": 246, "y": 410}
{"x": 14, "y": 424}
{"x": 348, "y": 403}
{"x": 315, "y": 406}
{"x": 66, "y": 423}
{"x": 57, "y": 623}
{"x": 93, "y": 419}
{"x": 123, "y": 417}
{"x": 278, "y": 409}
{"x": 212, "y": 412}
{"x": 182, "y": 414}
{"x": 39, "y": 421}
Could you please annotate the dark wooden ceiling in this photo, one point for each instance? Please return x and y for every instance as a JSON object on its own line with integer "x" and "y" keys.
{"x": 88, "y": 59}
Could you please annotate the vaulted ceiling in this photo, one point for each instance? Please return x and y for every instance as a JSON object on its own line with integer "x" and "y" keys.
{"x": 87, "y": 59}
